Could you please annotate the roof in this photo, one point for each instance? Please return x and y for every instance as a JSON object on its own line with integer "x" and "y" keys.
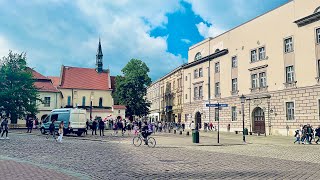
{"x": 119, "y": 107}
{"x": 84, "y": 78}
{"x": 42, "y": 83}
{"x": 55, "y": 80}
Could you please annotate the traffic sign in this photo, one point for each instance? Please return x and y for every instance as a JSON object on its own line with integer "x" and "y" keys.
{"x": 217, "y": 105}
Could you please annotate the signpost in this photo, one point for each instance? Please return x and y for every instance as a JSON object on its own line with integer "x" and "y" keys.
{"x": 217, "y": 105}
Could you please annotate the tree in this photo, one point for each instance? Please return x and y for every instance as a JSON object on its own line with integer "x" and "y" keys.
{"x": 131, "y": 88}
{"x": 18, "y": 94}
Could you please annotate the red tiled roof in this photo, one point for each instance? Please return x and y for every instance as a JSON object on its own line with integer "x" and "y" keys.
{"x": 84, "y": 78}
{"x": 119, "y": 107}
{"x": 55, "y": 80}
{"x": 42, "y": 83}
{"x": 45, "y": 86}
{"x": 36, "y": 75}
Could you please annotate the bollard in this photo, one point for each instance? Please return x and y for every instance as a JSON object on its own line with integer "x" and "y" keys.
{"x": 180, "y": 133}
{"x": 174, "y": 131}
{"x": 187, "y": 133}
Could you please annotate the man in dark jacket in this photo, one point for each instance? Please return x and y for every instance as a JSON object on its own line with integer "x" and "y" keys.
{"x": 94, "y": 127}
{"x": 101, "y": 127}
{"x": 4, "y": 127}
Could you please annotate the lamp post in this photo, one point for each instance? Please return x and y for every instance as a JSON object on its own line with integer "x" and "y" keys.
{"x": 243, "y": 99}
{"x": 91, "y": 98}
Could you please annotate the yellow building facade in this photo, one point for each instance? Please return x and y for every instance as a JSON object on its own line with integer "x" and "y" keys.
{"x": 273, "y": 60}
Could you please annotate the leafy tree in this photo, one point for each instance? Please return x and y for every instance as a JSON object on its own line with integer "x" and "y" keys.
{"x": 131, "y": 88}
{"x": 18, "y": 94}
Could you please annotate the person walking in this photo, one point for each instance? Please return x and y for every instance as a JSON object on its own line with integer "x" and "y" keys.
{"x": 192, "y": 126}
{"x": 94, "y": 127}
{"x": 52, "y": 130}
{"x": 297, "y": 136}
{"x": 4, "y": 127}
{"x": 101, "y": 127}
{"x": 60, "y": 131}
{"x": 317, "y": 133}
{"x": 87, "y": 126}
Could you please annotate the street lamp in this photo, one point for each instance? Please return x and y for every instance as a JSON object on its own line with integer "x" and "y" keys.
{"x": 91, "y": 98}
{"x": 243, "y": 99}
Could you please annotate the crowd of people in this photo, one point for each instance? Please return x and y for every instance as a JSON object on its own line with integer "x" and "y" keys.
{"x": 306, "y": 133}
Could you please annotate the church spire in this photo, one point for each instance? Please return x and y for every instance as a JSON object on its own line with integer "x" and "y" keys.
{"x": 99, "y": 57}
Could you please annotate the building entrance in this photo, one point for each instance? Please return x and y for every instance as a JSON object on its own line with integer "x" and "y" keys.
{"x": 258, "y": 120}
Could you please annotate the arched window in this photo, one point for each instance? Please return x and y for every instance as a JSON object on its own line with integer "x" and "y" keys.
{"x": 198, "y": 56}
{"x": 317, "y": 10}
{"x": 100, "y": 102}
{"x": 69, "y": 101}
{"x": 83, "y": 101}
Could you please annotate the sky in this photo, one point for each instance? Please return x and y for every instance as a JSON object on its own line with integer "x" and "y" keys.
{"x": 158, "y": 32}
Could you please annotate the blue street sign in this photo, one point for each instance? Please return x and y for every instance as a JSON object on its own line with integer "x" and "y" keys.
{"x": 217, "y": 105}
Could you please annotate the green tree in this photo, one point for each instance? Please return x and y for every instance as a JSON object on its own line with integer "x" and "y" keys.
{"x": 18, "y": 94}
{"x": 131, "y": 88}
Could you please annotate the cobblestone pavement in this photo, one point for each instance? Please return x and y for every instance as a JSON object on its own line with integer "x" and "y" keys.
{"x": 174, "y": 157}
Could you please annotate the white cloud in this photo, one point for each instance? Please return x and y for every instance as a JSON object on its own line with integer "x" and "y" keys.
{"x": 208, "y": 31}
{"x": 69, "y": 32}
{"x": 187, "y": 41}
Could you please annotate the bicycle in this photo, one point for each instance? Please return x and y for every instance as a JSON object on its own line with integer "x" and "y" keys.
{"x": 137, "y": 141}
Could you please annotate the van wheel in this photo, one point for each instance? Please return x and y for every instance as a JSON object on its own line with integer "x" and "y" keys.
{"x": 79, "y": 133}
{"x": 42, "y": 131}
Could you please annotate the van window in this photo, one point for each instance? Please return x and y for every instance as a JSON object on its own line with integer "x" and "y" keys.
{"x": 61, "y": 117}
{"x": 46, "y": 119}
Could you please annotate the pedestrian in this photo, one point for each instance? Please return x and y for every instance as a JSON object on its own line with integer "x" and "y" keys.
{"x": 304, "y": 134}
{"x": 101, "y": 127}
{"x": 297, "y": 136}
{"x": 192, "y": 126}
{"x": 115, "y": 129}
{"x": 4, "y": 127}
{"x": 30, "y": 125}
{"x": 136, "y": 129}
{"x": 183, "y": 126}
{"x": 211, "y": 125}
{"x": 60, "y": 131}
{"x": 87, "y": 126}
{"x": 52, "y": 130}
{"x": 94, "y": 127}
{"x": 160, "y": 126}
{"x": 317, "y": 133}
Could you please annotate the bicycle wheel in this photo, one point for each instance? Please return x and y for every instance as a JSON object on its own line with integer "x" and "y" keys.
{"x": 137, "y": 141}
{"x": 151, "y": 142}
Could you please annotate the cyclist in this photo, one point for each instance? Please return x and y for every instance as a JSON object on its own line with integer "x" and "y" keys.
{"x": 145, "y": 132}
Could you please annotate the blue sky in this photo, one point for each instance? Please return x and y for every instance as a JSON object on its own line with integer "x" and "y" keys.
{"x": 159, "y": 32}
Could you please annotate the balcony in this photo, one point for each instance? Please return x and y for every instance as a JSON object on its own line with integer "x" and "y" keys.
{"x": 289, "y": 85}
{"x": 259, "y": 89}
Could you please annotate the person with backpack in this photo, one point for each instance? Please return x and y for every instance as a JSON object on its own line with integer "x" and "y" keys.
{"x": 317, "y": 130}
{"x": 4, "y": 127}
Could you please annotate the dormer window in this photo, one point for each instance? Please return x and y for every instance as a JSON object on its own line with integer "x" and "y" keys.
{"x": 198, "y": 56}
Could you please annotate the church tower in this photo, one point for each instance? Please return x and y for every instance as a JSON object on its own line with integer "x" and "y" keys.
{"x": 99, "y": 57}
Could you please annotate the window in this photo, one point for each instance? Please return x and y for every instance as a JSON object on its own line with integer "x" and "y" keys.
{"x": 198, "y": 56}
{"x": 254, "y": 55}
{"x": 195, "y": 73}
{"x": 233, "y": 113}
{"x": 234, "y": 85}
{"x": 289, "y": 74}
{"x": 216, "y": 114}
{"x": 69, "y": 101}
{"x": 195, "y": 92}
{"x": 290, "y": 110}
{"x": 288, "y": 45}
{"x": 200, "y": 91}
{"x": 254, "y": 81}
{"x": 100, "y": 102}
{"x": 83, "y": 101}
{"x": 318, "y": 67}
{"x": 46, "y": 102}
{"x": 234, "y": 63}
{"x": 186, "y": 78}
{"x": 262, "y": 53}
{"x": 200, "y": 72}
{"x": 217, "y": 88}
{"x": 186, "y": 96}
{"x": 318, "y": 35}
{"x": 217, "y": 67}
{"x": 174, "y": 85}
{"x": 119, "y": 111}
{"x": 263, "y": 79}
